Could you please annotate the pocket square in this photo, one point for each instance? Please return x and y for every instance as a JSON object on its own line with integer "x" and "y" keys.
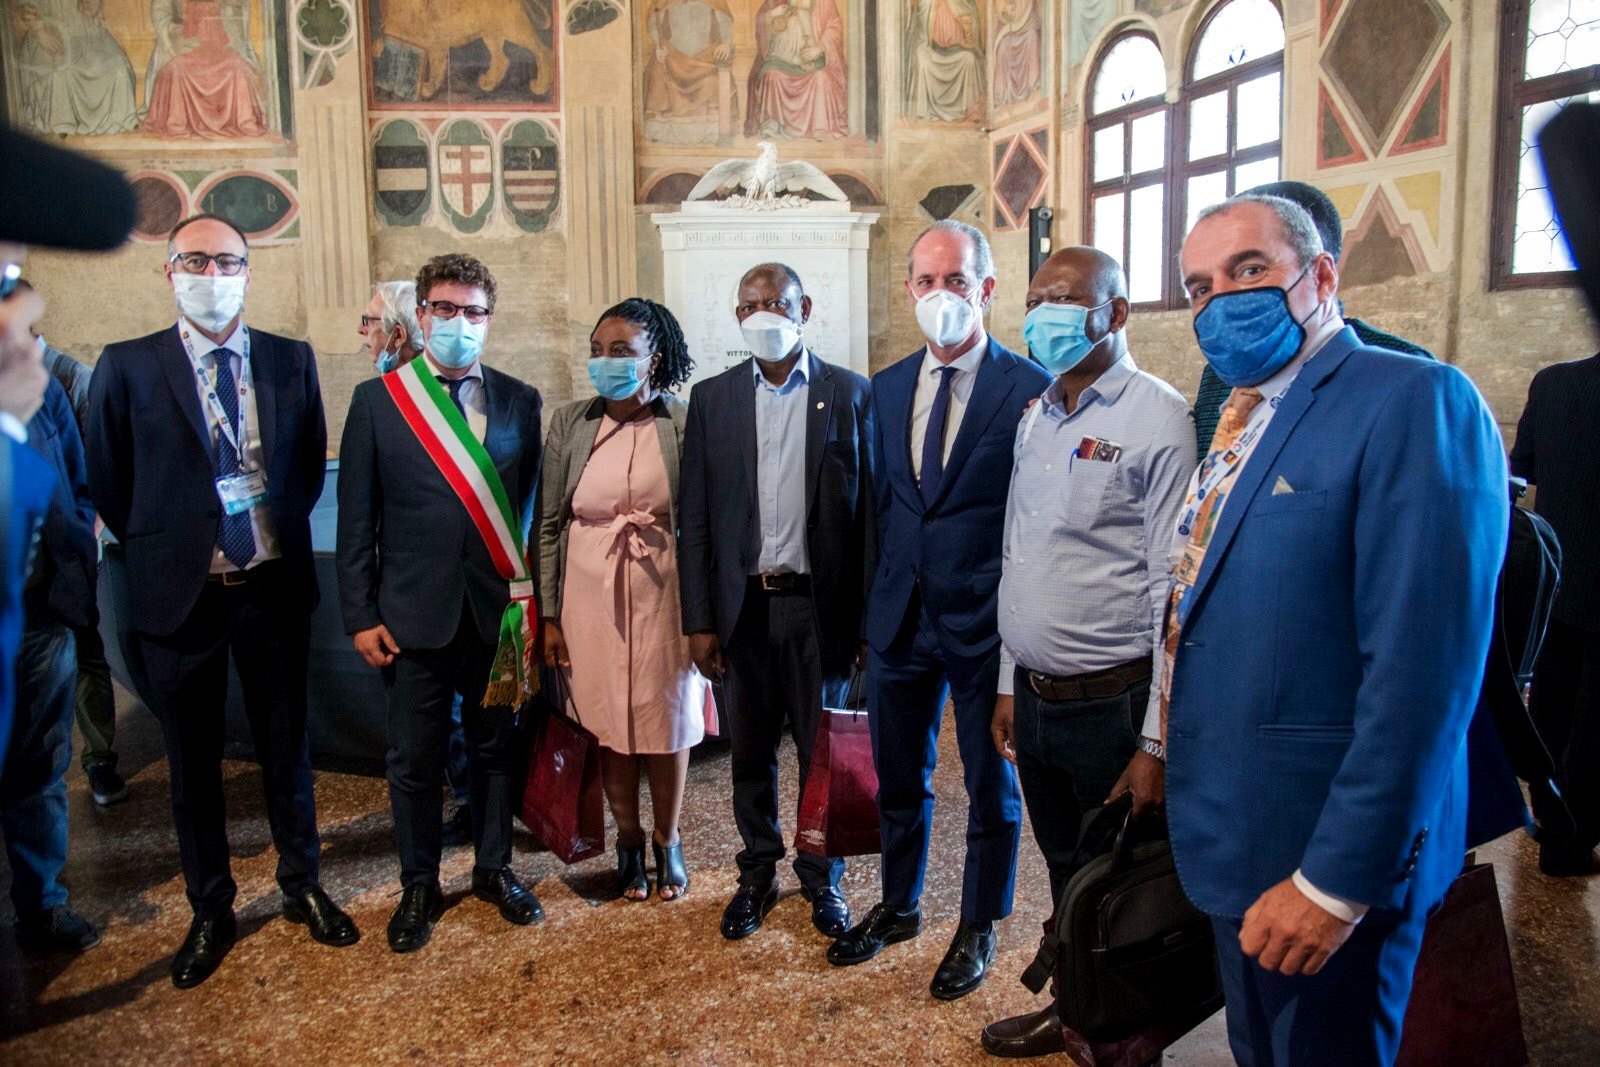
{"x": 1281, "y": 487}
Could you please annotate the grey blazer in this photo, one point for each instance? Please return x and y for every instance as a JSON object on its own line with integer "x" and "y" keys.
{"x": 573, "y": 429}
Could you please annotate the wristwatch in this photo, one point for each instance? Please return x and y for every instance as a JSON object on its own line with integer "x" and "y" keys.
{"x": 1151, "y": 747}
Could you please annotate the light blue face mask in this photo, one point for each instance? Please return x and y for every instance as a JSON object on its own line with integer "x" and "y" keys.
{"x": 1248, "y": 335}
{"x": 616, "y": 379}
{"x": 387, "y": 362}
{"x": 1056, "y": 335}
{"x": 455, "y": 343}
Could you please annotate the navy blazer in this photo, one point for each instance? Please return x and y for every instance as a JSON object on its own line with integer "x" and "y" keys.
{"x": 152, "y": 467}
{"x": 719, "y": 539}
{"x": 409, "y": 555}
{"x": 63, "y": 582}
{"x": 1335, "y": 640}
{"x": 26, "y": 486}
{"x": 951, "y": 551}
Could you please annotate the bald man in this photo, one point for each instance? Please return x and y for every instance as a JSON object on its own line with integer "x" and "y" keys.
{"x": 1098, "y": 476}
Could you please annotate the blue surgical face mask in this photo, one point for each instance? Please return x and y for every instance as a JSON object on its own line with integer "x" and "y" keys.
{"x": 1056, "y": 335}
{"x": 1248, "y": 335}
{"x": 387, "y": 362}
{"x": 616, "y": 379}
{"x": 455, "y": 343}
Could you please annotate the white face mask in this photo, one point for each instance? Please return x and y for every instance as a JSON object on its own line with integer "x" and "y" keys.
{"x": 945, "y": 318}
{"x": 770, "y": 335}
{"x": 210, "y": 301}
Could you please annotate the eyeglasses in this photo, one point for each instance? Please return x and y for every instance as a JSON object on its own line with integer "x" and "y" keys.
{"x": 444, "y": 309}
{"x": 369, "y": 321}
{"x": 197, "y": 262}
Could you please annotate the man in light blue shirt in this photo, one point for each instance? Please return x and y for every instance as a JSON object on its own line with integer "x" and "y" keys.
{"x": 776, "y": 548}
{"x": 1101, "y": 466}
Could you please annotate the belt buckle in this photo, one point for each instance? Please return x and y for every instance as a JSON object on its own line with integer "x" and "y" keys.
{"x": 235, "y": 577}
{"x": 770, "y": 583}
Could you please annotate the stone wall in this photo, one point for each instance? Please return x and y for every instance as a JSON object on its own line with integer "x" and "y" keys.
{"x": 541, "y": 139}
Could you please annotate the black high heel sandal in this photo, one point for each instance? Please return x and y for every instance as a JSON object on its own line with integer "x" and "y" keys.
{"x": 670, "y": 871}
{"x": 630, "y": 873}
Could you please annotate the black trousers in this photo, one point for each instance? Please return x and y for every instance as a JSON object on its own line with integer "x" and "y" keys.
{"x": 1069, "y": 754}
{"x": 421, "y": 685}
{"x": 188, "y": 682}
{"x": 1566, "y": 707}
{"x": 775, "y": 673}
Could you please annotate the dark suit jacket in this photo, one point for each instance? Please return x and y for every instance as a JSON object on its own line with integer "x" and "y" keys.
{"x": 951, "y": 551}
{"x": 1558, "y": 438}
{"x": 26, "y": 486}
{"x": 63, "y": 578}
{"x": 719, "y": 539}
{"x": 408, "y": 552}
{"x": 1335, "y": 638}
{"x": 152, "y": 467}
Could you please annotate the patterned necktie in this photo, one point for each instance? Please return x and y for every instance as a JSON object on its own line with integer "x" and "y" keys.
{"x": 1230, "y": 427}
{"x": 454, "y": 385}
{"x": 933, "y": 442}
{"x": 237, "y": 538}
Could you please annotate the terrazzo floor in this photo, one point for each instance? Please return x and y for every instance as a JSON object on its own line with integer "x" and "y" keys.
{"x": 600, "y": 981}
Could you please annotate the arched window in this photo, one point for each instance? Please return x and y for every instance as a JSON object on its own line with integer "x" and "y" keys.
{"x": 1549, "y": 57}
{"x": 1230, "y": 118}
{"x": 1127, "y": 161}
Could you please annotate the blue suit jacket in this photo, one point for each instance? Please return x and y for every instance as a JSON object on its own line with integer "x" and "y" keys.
{"x": 26, "y": 486}
{"x": 64, "y": 578}
{"x": 1335, "y": 640}
{"x": 952, "y": 549}
{"x": 152, "y": 466}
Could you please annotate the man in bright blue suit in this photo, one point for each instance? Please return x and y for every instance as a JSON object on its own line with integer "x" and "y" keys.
{"x": 1331, "y": 608}
{"x": 946, "y": 419}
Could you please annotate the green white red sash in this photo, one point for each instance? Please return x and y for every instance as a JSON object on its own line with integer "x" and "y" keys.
{"x": 443, "y": 431}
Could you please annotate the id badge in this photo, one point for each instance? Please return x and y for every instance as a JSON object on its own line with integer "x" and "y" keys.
{"x": 242, "y": 491}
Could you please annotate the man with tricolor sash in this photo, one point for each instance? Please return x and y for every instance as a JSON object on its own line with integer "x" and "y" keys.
{"x": 437, "y": 471}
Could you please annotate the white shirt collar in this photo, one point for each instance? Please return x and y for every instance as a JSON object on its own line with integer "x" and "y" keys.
{"x": 968, "y": 362}
{"x": 203, "y": 345}
{"x": 1289, "y": 371}
{"x": 474, "y": 371}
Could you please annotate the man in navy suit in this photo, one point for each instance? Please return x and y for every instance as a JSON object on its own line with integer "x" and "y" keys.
{"x": 946, "y": 420}
{"x": 1326, "y": 632}
{"x": 776, "y": 550}
{"x": 422, "y": 597}
{"x": 207, "y": 450}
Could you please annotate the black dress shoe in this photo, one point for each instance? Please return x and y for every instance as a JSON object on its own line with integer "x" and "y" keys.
{"x": 1565, "y": 860}
{"x": 412, "y": 922}
{"x": 312, "y": 908}
{"x": 742, "y": 917}
{"x": 208, "y": 941}
{"x": 967, "y": 961}
{"x": 882, "y": 926}
{"x": 1036, "y": 1034}
{"x": 516, "y": 903}
{"x": 829, "y": 913}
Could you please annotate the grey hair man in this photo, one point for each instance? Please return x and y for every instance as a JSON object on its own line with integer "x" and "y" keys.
{"x": 389, "y": 328}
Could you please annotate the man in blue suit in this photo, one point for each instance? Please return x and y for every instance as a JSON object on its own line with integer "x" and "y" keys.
{"x": 1326, "y": 633}
{"x": 946, "y": 418}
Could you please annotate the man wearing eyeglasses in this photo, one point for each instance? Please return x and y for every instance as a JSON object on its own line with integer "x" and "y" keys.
{"x": 437, "y": 468}
{"x": 206, "y": 449}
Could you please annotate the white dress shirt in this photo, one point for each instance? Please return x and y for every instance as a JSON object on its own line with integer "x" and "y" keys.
{"x": 966, "y": 366}
{"x": 473, "y": 401}
{"x": 260, "y": 517}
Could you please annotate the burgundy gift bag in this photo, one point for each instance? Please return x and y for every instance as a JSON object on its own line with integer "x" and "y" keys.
{"x": 839, "y": 807}
{"x": 563, "y": 802}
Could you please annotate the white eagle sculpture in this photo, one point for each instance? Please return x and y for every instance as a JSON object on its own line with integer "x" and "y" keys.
{"x": 767, "y": 184}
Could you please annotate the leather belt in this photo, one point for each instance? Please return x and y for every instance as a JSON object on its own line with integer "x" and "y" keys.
{"x": 1094, "y": 685}
{"x": 781, "y": 584}
{"x": 235, "y": 578}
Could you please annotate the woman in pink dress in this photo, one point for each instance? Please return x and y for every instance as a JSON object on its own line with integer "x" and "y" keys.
{"x": 609, "y": 580}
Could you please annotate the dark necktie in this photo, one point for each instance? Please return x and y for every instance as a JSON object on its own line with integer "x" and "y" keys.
{"x": 454, "y": 385}
{"x": 237, "y": 539}
{"x": 933, "y": 442}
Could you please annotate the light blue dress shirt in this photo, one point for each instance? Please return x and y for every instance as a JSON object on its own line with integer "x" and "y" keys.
{"x": 1084, "y": 571}
{"x": 781, "y": 468}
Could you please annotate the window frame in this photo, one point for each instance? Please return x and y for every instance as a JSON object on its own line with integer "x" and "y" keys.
{"x": 1514, "y": 91}
{"x": 1231, "y": 159}
{"x": 1127, "y": 182}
